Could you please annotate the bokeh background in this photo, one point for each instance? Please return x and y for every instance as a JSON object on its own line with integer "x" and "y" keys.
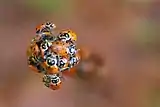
{"x": 126, "y": 33}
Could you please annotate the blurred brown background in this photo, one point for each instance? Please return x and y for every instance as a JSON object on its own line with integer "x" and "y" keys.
{"x": 125, "y": 32}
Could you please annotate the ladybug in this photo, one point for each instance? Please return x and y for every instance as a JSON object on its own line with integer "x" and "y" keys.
{"x": 53, "y": 82}
{"x": 67, "y": 36}
{"x": 52, "y": 55}
{"x": 46, "y": 27}
{"x": 34, "y": 63}
{"x": 51, "y": 63}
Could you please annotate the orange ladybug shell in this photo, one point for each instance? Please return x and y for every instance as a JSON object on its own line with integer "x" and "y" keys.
{"x": 52, "y": 81}
{"x": 72, "y": 35}
{"x": 55, "y": 86}
{"x": 33, "y": 49}
{"x": 58, "y": 42}
{"x": 40, "y": 27}
{"x": 60, "y": 48}
{"x": 70, "y": 73}
{"x": 50, "y": 69}
{"x": 29, "y": 51}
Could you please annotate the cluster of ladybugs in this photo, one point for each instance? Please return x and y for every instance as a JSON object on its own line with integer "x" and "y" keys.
{"x": 51, "y": 54}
